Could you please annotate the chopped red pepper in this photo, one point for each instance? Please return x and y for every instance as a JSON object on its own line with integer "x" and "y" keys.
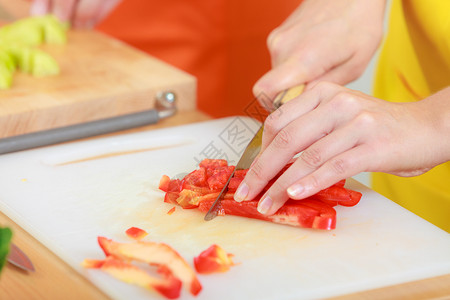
{"x": 338, "y": 195}
{"x": 136, "y": 233}
{"x": 171, "y": 211}
{"x": 213, "y": 260}
{"x": 201, "y": 187}
{"x": 155, "y": 254}
{"x": 169, "y": 286}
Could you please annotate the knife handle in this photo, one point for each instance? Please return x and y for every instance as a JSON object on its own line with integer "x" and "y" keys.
{"x": 288, "y": 95}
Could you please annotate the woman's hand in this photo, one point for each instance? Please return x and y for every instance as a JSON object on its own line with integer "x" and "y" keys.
{"x": 81, "y": 13}
{"x": 323, "y": 40}
{"x": 341, "y": 133}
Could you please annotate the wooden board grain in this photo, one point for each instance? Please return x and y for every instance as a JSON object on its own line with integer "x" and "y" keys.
{"x": 100, "y": 77}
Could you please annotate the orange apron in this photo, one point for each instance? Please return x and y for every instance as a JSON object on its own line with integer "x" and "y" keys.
{"x": 221, "y": 42}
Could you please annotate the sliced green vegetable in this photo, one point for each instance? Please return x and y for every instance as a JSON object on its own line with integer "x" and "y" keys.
{"x": 17, "y": 42}
{"x": 6, "y": 76}
{"x": 25, "y": 32}
{"x": 5, "y": 239}
{"x": 42, "y": 64}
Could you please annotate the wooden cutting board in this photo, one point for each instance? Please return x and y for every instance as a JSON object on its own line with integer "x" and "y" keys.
{"x": 67, "y": 195}
{"x": 100, "y": 77}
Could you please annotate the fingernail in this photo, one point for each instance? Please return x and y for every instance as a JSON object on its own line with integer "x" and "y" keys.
{"x": 241, "y": 192}
{"x": 264, "y": 205}
{"x": 38, "y": 8}
{"x": 295, "y": 190}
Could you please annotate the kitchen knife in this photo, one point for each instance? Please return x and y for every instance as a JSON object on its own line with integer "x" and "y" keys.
{"x": 253, "y": 147}
{"x": 19, "y": 259}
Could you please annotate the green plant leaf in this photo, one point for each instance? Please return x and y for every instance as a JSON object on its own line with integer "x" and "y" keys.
{"x": 5, "y": 239}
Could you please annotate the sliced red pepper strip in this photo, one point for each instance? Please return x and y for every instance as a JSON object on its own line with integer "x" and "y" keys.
{"x": 213, "y": 163}
{"x": 340, "y": 183}
{"x": 311, "y": 214}
{"x": 158, "y": 254}
{"x": 171, "y": 197}
{"x": 136, "y": 233}
{"x": 316, "y": 214}
{"x": 164, "y": 183}
{"x": 171, "y": 211}
{"x": 169, "y": 286}
{"x": 196, "y": 178}
{"x": 213, "y": 260}
{"x": 218, "y": 177}
{"x": 338, "y": 195}
{"x": 188, "y": 199}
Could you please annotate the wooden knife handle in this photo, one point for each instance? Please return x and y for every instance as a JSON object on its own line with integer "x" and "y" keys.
{"x": 288, "y": 95}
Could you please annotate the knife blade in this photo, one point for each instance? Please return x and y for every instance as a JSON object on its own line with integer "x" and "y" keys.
{"x": 19, "y": 259}
{"x": 253, "y": 148}
{"x": 245, "y": 161}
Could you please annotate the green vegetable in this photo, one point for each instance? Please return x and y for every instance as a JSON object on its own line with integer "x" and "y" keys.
{"x": 6, "y": 76}
{"x": 43, "y": 64}
{"x": 17, "y": 42}
{"x": 5, "y": 239}
{"x": 35, "y": 31}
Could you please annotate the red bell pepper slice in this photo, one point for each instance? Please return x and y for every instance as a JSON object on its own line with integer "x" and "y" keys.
{"x": 136, "y": 233}
{"x": 155, "y": 254}
{"x": 213, "y": 163}
{"x": 315, "y": 212}
{"x": 196, "y": 178}
{"x": 338, "y": 195}
{"x": 299, "y": 213}
{"x": 168, "y": 286}
{"x": 213, "y": 260}
{"x": 218, "y": 177}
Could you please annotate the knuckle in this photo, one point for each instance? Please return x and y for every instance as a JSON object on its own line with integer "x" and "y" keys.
{"x": 345, "y": 101}
{"x": 271, "y": 124}
{"x": 314, "y": 182}
{"x": 257, "y": 171}
{"x": 273, "y": 42}
{"x": 310, "y": 60}
{"x": 283, "y": 139}
{"x": 365, "y": 119}
{"x": 339, "y": 166}
{"x": 324, "y": 85}
{"x": 312, "y": 158}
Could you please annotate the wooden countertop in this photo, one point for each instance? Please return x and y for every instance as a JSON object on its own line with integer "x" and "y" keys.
{"x": 54, "y": 279}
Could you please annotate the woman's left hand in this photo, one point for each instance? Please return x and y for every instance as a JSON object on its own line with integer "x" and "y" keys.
{"x": 342, "y": 132}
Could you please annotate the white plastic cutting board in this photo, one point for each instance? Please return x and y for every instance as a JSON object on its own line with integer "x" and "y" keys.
{"x": 69, "y": 194}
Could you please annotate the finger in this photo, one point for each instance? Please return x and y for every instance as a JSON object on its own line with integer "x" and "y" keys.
{"x": 282, "y": 77}
{"x": 89, "y": 13}
{"x": 86, "y": 13}
{"x": 296, "y": 108}
{"x": 312, "y": 158}
{"x": 63, "y": 10}
{"x": 292, "y": 139}
{"x": 340, "y": 167}
{"x": 106, "y": 8}
{"x": 40, "y": 7}
{"x": 344, "y": 73}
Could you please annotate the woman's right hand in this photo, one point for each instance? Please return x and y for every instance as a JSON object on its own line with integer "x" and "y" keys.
{"x": 81, "y": 13}
{"x": 322, "y": 40}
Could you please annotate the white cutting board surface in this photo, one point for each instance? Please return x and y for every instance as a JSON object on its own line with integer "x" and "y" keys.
{"x": 66, "y": 204}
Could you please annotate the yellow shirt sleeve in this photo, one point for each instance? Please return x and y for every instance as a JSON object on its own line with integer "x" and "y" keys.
{"x": 413, "y": 64}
